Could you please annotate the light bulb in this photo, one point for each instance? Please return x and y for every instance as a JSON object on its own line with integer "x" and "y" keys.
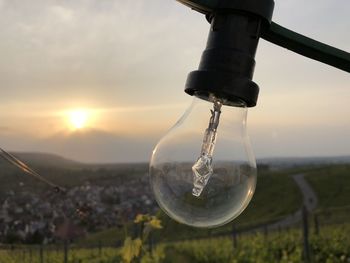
{"x": 203, "y": 171}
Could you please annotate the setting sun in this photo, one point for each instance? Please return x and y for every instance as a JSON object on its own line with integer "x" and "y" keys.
{"x": 78, "y": 119}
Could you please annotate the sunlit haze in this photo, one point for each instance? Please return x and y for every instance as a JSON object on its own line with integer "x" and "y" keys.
{"x": 102, "y": 81}
{"x": 78, "y": 119}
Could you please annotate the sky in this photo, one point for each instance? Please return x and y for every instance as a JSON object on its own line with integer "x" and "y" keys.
{"x": 126, "y": 62}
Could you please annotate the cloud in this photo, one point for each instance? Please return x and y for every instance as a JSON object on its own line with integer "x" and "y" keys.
{"x": 83, "y": 47}
{"x": 93, "y": 146}
{"x": 130, "y": 59}
{"x": 4, "y": 129}
{"x": 98, "y": 146}
{"x": 64, "y": 14}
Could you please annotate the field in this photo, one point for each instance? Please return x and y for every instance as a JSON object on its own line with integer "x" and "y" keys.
{"x": 277, "y": 196}
{"x": 331, "y": 245}
{"x": 262, "y": 209}
{"x": 64, "y": 173}
{"x": 51, "y": 255}
{"x": 332, "y": 185}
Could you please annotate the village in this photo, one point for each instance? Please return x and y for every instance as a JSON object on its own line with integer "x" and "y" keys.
{"x": 29, "y": 217}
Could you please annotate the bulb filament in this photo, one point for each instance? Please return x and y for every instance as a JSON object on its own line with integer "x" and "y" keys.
{"x": 203, "y": 168}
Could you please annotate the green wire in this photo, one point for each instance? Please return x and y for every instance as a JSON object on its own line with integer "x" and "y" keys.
{"x": 288, "y": 39}
{"x": 307, "y": 47}
{"x": 202, "y": 6}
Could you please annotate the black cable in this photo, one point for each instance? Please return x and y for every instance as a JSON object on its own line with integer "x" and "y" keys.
{"x": 307, "y": 47}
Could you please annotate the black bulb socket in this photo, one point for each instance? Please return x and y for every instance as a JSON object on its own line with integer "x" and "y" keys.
{"x": 227, "y": 65}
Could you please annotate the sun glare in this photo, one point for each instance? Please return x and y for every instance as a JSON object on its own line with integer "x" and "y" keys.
{"x": 78, "y": 119}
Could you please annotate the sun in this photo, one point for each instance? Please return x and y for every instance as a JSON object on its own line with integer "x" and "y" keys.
{"x": 78, "y": 119}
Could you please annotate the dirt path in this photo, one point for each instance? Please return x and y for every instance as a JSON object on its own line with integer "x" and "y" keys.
{"x": 310, "y": 201}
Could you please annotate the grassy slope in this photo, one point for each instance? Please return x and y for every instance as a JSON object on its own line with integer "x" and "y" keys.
{"x": 64, "y": 173}
{"x": 276, "y": 196}
{"x": 109, "y": 237}
{"x": 332, "y": 245}
{"x": 332, "y": 185}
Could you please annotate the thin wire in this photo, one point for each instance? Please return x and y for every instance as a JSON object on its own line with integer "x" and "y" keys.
{"x": 82, "y": 211}
{"x": 25, "y": 168}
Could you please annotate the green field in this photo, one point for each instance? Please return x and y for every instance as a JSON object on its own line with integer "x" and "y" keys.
{"x": 271, "y": 186}
{"x": 64, "y": 173}
{"x": 51, "y": 255}
{"x": 331, "y": 245}
{"x": 276, "y": 196}
{"x": 332, "y": 185}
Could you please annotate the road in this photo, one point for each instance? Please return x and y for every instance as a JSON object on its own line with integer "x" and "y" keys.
{"x": 310, "y": 202}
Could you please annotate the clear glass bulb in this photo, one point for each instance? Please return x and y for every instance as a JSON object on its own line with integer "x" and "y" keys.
{"x": 203, "y": 171}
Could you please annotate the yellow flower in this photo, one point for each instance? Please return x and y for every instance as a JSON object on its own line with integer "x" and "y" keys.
{"x": 141, "y": 218}
{"x": 155, "y": 223}
{"x": 131, "y": 249}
